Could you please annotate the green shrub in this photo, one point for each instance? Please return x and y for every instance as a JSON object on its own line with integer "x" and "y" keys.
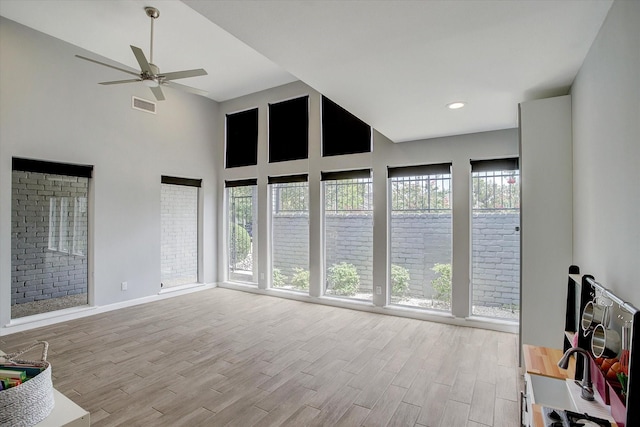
{"x": 343, "y": 279}
{"x": 442, "y": 283}
{"x": 300, "y": 279}
{"x": 240, "y": 242}
{"x": 279, "y": 279}
{"x": 400, "y": 279}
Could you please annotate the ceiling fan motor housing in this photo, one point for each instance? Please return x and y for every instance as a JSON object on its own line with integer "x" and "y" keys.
{"x": 152, "y": 12}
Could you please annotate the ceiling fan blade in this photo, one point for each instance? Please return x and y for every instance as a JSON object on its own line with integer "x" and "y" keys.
{"x": 157, "y": 92}
{"x": 142, "y": 60}
{"x": 116, "y": 82}
{"x": 107, "y": 65}
{"x": 183, "y": 74}
{"x": 186, "y": 88}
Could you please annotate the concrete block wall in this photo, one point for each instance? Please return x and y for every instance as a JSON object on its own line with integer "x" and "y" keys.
{"x": 179, "y": 238}
{"x": 418, "y": 242}
{"x": 496, "y": 259}
{"x": 349, "y": 238}
{"x": 290, "y": 242}
{"x": 48, "y": 236}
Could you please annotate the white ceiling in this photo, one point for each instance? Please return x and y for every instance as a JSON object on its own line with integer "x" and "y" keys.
{"x": 394, "y": 64}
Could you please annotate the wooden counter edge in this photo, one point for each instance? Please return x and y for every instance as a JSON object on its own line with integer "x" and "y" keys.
{"x": 544, "y": 361}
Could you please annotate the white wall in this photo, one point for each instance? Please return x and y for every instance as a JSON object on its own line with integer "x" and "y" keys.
{"x": 457, "y": 150}
{"x": 51, "y": 108}
{"x": 606, "y": 155}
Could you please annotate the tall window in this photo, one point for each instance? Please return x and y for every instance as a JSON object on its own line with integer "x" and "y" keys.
{"x": 179, "y": 231}
{"x": 242, "y": 234}
{"x": 290, "y": 232}
{"x": 348, "y": 234}
{"x": 496, "y": 238}
{"x": 421, "y": 236}
{"x": 49, "y": 229}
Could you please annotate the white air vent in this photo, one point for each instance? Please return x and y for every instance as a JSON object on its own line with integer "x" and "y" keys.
{"x": 143, "y": 105}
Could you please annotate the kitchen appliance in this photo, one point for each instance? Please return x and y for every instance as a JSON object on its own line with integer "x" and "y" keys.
{"x": 561, "y": 418}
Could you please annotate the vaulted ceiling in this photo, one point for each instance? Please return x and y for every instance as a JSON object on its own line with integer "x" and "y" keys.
{"x": 394, "y": 64}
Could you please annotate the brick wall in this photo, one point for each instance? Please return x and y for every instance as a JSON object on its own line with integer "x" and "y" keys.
{"x": 48, "y": 236}
{"x": 496, "y": 259}
{"x": 418, "y": 242}
{"x": 179, "y": 238}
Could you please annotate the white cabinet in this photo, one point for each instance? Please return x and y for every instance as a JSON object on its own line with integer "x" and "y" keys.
{"x": 546, "y": 217}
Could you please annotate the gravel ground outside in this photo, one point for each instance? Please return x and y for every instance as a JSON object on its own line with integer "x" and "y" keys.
{"x": 47, "y": 305}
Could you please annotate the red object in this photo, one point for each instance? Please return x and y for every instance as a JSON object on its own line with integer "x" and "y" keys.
{"x": 624, "y": 362}
{"x": 599, "y": 383}
{"x": 618, "y": 409}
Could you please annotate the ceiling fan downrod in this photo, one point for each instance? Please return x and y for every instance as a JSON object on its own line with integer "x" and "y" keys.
{"x": 152, "y": 13}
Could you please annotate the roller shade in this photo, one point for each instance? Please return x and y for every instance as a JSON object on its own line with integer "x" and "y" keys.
{"x": 511, "y": 164}
{"x": 288, "y": 179}
{"x": 240, "y": 183}
{"x": 69, "y": 169}
{"x": 189, "y": 182}
{"x": 436, "y": 169}
{"x": 351, "y": 174}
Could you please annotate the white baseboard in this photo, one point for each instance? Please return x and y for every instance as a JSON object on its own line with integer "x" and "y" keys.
{"x": 400, "y": 311}
{"x": 59, "y": 316}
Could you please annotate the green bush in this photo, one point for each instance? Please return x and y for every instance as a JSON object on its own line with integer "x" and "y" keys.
{"x": 300, "y": 279}
{"x": 240, "y": 242}
{"x": 400, "y": 279}
{"x": 343, "y": 279}
{"x": 279, "y": 279}
{"x": 442, "y": 283}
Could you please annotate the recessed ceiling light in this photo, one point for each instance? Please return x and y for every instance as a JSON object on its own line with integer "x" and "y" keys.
{"x": 456, "y": 105}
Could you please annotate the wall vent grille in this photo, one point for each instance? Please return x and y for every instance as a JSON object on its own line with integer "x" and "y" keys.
{"x": 143, "y": 105}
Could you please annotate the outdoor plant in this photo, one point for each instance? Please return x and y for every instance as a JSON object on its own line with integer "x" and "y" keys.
{"x": 300, "y": 279}
{"x": 442, "y": 282}
{"x": 343, "y": 279}
{"x": 240, "y": 241}
{"x": 399, "y": 280}
{"x": 279, "y": 279}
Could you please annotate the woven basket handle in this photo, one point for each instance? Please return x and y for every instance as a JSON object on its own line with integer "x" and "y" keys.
{"x": 18, "y": 353}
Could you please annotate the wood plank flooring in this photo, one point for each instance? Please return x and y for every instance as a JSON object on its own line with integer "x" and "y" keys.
{"x": 228, "y": 358}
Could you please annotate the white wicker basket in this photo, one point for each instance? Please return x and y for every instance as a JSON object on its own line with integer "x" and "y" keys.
{"x": 32, "y": 401}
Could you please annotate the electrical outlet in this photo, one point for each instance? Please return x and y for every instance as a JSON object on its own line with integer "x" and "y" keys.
{"x": 378, "y": 290}
{"x": 124, "y": 286}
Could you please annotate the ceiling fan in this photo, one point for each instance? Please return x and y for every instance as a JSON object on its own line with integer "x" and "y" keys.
{"x": 149, "y": 73}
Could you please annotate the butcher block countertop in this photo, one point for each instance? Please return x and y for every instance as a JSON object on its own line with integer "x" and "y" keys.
{"x": 544, "y": 361}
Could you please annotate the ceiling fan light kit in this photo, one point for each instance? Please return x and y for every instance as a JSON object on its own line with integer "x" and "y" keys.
{"x": 149, "y": 72}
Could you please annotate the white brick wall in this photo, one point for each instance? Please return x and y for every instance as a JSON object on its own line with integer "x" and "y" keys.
{"x": 179, "y": 239}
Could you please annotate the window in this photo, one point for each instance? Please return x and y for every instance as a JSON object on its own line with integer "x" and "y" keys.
{"x": 67, "y": 224}
{"x": 290, "y": 232}
{"x": 421, "y": 236}
{"x": 348, "y": 234}
{"x": 289, "y": 130}
{"x": 242, "y": 235}
{"x": 342, "y": 132}
{"x": 49, "y": 236}
{"x": 242, "y": 139}
{"x": 179, "y": 231}
{"x": 495, "y": 254}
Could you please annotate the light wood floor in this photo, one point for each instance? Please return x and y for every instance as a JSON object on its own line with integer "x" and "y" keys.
{"x": 223, "y": 357}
